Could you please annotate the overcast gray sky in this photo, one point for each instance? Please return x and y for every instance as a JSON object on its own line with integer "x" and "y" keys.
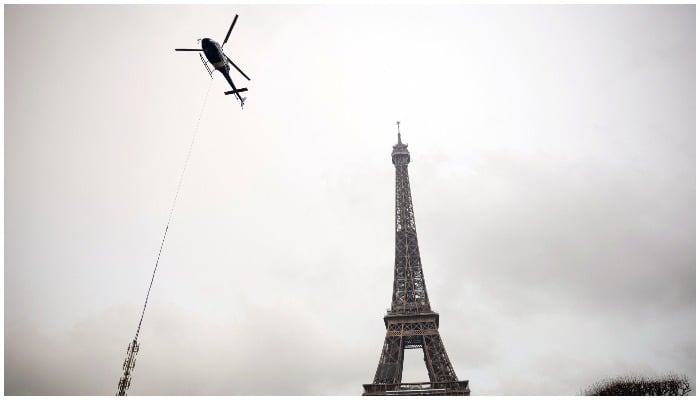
{"x": 553, "y": 179}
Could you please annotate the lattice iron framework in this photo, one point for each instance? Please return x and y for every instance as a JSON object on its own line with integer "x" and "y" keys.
{"x": 411, "y": 323}
{"x": 128, "y": 367}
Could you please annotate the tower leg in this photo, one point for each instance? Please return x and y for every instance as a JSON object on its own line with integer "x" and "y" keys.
{"x": 390, "y": 365}
{"x": 436, "y": 360}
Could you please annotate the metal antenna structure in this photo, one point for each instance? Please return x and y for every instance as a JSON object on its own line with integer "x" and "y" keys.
{"x": 411, "y": 323}
{"x": 128, "y": 367}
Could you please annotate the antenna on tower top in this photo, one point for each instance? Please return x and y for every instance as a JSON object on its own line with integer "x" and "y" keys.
{"x": 398, "y": 128}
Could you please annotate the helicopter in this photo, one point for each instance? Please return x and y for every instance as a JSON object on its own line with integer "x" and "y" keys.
{"x": 215, "y": 55}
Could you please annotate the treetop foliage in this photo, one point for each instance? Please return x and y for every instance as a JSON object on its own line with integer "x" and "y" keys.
{"x": 670, "y": 385}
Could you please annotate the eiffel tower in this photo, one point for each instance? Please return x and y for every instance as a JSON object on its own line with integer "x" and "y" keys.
{"x": 411, "y": 323}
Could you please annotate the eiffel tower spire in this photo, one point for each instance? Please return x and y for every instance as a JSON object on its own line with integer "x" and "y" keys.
{"x": 410, "y": 322}
{"x": 409, "y": 295}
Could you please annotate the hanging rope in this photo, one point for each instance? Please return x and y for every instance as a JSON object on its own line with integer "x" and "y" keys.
{"x": 172, "y": 208}
{"x": 133, "y": 348}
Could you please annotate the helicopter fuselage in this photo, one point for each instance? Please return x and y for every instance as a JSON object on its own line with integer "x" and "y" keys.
{"x": 212, "y": 50}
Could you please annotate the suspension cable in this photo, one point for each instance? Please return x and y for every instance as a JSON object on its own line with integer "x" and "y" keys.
{"x": 172, "y": 207}
{"x": 133, "y": 348}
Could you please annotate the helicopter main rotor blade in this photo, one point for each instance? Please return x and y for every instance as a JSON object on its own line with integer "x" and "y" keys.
{"x": 238, "y": 69}
{"x": 229, "y": 30}
{"x": 188, "y": 49}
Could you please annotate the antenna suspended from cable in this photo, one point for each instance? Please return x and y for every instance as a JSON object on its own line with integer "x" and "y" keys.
{"x": 133, "y": 348}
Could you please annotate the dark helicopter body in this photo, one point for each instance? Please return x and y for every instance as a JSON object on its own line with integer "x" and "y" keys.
{"x": 215, "y": 55}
